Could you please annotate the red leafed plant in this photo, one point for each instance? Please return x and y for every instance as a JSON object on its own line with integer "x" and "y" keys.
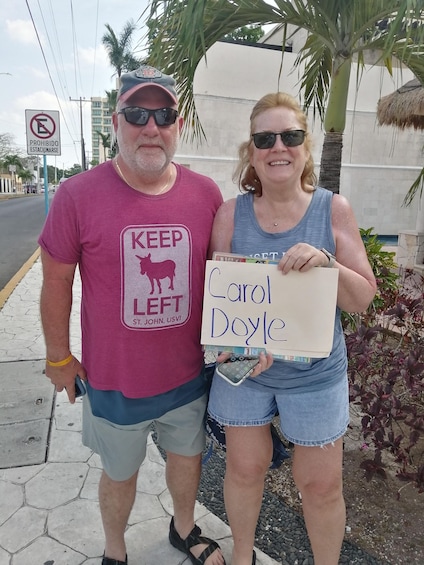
{"x": 386, "y": 378}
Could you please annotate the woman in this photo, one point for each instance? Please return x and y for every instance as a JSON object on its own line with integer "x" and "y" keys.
{"x": 282, "y": 214}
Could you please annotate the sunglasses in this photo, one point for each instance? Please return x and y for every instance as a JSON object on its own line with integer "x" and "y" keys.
{"x": 140, "y": 116}
{"x": 290, "y": 138}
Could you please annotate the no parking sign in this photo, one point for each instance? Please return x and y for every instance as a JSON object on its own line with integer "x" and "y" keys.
{"x": 43, "y": 132}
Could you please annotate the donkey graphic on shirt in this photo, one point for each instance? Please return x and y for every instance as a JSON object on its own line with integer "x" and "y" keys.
{"x": 156, "y": 276}
{"x": 157, "y": 271}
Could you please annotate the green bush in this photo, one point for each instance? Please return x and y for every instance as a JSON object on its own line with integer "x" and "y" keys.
{"x": 386, "y": 273}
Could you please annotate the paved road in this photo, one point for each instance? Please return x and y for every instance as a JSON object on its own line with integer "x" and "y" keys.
{"x": 21, "y": 220}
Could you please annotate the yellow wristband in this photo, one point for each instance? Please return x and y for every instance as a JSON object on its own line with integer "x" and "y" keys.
{"x": 60, "y": 363}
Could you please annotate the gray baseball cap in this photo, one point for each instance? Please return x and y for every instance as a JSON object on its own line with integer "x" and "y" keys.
{"x": 146, "y": 76}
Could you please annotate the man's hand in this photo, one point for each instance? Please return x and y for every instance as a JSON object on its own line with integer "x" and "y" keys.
{"x": 64, "y": 377}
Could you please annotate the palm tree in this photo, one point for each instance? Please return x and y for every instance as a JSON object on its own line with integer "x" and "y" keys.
{"x": 122, "y": 59}
{"x": 105, "y": 141}
{"x": 13, "y": 164}
{"x": 26, "y": 177}
{"x": 111, "y": 96}
{"x": 119, "y": 49}
{"x": 11, "y": 159}
{"x": 339, "y": 32}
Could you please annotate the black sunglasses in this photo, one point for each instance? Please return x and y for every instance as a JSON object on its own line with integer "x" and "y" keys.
{"x": 290, "y": 138}
{"x": 140, "y": 116}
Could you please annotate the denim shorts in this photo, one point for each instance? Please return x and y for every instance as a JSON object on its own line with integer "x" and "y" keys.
{"x": 306, "y": 418}
{"x": 122, "y": 448}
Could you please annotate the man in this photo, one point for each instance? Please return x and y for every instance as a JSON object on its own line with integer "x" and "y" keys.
{"x": 138, "y": 227}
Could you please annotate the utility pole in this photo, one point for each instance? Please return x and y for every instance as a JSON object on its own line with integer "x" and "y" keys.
{"x": 80, "y": 100}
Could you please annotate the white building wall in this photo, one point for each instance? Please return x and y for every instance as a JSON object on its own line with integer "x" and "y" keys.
{"x": 379, "y": 164}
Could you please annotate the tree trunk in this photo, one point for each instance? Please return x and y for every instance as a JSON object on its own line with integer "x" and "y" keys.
{"x": 334, "y": 124}
{"x": 331, "y": 162}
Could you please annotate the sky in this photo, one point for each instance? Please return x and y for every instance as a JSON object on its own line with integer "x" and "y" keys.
{"x": 51, "y": 51}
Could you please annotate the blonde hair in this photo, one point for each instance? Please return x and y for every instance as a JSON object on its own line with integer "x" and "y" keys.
{"x": 245, "y": 175}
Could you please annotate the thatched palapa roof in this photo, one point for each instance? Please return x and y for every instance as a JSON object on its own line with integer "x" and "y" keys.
{"x": 404, "y": 107}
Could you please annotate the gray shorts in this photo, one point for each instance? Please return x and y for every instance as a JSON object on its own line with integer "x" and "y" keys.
{"x": 122, "y": 449}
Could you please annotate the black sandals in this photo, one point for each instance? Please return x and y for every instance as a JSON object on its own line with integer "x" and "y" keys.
{"x": 193, "y": 538}
{"x": 109, "y": 561}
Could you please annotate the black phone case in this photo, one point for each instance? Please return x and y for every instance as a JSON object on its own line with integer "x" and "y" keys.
{"x": 80, "y": 389}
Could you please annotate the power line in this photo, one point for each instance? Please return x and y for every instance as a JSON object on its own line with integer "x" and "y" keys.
{"x": 75, "y": 51}
{"x": 95, "y": 46}
{"x": 54, "y": 49}
{"x": 47, "y": 66}
{"x": 42, "y": 52}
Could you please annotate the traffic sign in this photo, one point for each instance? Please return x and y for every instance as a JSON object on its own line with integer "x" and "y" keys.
{"x": 43, "y": 132}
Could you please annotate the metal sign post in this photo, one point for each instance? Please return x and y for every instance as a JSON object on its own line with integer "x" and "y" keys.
{"x": 43, "y": 138}
{"x": 46, "y": 186}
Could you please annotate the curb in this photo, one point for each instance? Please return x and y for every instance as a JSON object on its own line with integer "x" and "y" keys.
{"x": 16, "y": 279}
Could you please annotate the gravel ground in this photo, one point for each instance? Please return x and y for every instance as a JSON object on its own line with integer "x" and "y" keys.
{"x": 281, "y": 532}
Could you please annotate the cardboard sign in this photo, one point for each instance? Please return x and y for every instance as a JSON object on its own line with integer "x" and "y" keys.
{"x": 256, "y": 306}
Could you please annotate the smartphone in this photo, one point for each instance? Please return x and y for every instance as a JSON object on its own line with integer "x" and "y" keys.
{"x": 80, "y": 388}
{"x": 237, "y": 368}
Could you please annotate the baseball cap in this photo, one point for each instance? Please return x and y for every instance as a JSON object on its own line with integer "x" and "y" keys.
{"x": 146, "y": 76}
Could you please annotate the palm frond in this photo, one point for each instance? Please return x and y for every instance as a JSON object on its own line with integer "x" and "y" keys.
{"x": 337, "y": 29}
{"x": 316, "y": 78}
{"x": 418, "y": 186}
{"x": 119, "y": 49}
{"x": 177, "y": 50}
{"x": 413, "y": 57}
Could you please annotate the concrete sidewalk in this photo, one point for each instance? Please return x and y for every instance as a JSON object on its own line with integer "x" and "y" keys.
{"x": 49, "y": 512}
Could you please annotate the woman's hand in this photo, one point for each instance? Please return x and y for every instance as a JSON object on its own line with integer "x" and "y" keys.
{"x": 265, "y": 362}
{"x": 302, "y": 257}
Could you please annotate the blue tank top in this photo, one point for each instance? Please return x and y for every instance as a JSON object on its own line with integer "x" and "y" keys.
{"x": 314, "y": 228}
